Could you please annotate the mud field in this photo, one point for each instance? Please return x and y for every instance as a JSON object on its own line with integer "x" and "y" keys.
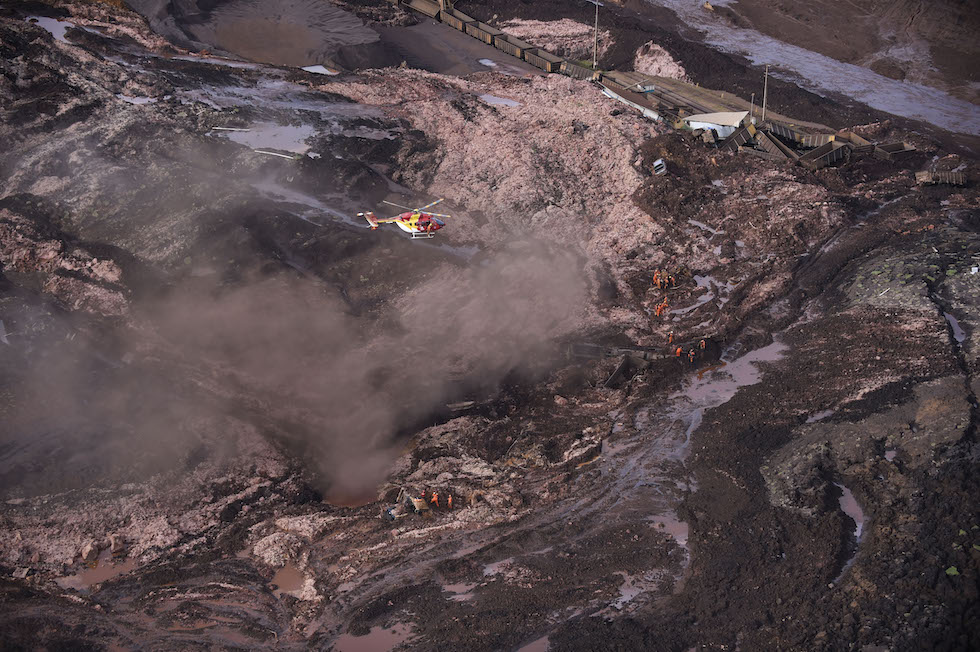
{"x": 218, "y": 386}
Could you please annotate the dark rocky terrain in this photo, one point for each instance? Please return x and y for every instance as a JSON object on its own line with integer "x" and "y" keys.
{"x": 213, "y": 377}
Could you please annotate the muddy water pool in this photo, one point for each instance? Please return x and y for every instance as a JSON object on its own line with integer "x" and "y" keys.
{"x": 849, "y": 505}
{"x": 288, "y": 579}
{"x": 104, "y": 569}
{"x": 267, "y": 135}
{"x": 461, "y": 592}
{"x": 286, "y": 32}
{"x": 379, "y": 639}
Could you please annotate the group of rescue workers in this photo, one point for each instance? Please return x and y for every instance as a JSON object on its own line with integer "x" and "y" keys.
{"x": 663, "y": 281}
{"x": 691, "y": 354}
{"x": 423, "y": 504}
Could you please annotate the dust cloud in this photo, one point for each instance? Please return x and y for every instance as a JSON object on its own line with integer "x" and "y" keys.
{"x": 284, "y": 355}
{"x": 349, "y": 385}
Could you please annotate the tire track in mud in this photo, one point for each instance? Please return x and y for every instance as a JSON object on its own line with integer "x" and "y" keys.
{"x": 955, "y": 335}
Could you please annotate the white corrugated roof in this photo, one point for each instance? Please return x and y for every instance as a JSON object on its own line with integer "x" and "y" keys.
{"x": 729, "y": 119}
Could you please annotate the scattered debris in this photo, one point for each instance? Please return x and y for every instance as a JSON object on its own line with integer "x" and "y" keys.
{"x": 460, "y": 406}
{"x": 293, "y": 157}
{"x": 117, "y": 544}
{"x": 90, "y": 552}
{"x": 889, "y": 151}
{"x": 724, "y": 124}
{"x": 628, "y": 367}
{"x": 923, "y": 177}
{"x": 825, "y": 155}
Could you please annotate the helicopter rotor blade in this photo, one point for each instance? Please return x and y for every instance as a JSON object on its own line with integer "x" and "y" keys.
{"x": 428, "y": 205}
{"x": 391, "y": 203}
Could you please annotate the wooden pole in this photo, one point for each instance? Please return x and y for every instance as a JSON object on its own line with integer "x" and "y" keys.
{"x": 595, "y": 49}
{"x": 765, "y": 93}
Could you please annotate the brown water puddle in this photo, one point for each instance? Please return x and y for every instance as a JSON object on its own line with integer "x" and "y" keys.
{"x": 288, "y": 32}
{"x": 288, "y": 579}
{"x": 461, "y": 592}
{"x": 104, "y": 569}
{"x": 378, "y": 639}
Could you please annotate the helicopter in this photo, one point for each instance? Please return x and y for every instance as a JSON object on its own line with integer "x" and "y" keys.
{"x": 415, "y": 221}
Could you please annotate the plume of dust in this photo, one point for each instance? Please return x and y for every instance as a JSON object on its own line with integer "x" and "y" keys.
{"x": 349, "y": 386}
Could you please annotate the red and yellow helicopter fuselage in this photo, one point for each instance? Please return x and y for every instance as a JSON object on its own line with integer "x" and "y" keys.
{"x": 416, "y": 221}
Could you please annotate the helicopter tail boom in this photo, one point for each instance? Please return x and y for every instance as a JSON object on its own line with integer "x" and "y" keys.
{"x": 371, "y": 219}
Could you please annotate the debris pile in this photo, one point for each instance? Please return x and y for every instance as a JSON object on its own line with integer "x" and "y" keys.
{"x": 651, "y": 59}
{"x": 564, "y": 37}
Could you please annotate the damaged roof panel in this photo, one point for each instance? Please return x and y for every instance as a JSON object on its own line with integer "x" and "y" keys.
{"x": 724, "y": 119}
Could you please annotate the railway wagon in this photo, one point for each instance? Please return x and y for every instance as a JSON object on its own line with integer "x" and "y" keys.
{"x": 511, "y": 45}
{"x": 483, "y": 32}
{"x": 815, "y": 140}
{"x": 542, "y": 59}
{"x": 827, "y": 154}
{"x": 426, "y": 7}
{"x": 456, "y": 19}
{"x": 576, "y": 71}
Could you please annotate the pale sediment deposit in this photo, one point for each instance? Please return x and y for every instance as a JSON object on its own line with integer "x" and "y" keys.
{"x": 651, "y": 59}
{"x": 564, "y": 37}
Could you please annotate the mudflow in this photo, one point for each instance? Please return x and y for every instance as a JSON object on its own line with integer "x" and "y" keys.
{"x": 218, "y": 387}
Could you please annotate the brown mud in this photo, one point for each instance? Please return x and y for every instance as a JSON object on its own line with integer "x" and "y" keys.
{"x": 206, "y": 363}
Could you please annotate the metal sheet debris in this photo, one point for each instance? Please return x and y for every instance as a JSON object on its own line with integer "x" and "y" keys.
{"x": 825, "y": 155}
{"x": 933, "y": 177}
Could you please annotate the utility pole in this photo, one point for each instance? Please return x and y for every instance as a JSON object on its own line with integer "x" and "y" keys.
{"x": 765, "y": 93}
{"x": 752, "y": 105}
{"x": 595, "y": 48}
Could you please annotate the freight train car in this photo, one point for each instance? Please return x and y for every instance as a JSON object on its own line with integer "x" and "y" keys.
{"x": 483, "y": 32}
{"x": 576, "y": 71}
{"x": 511, "y": 45}
{"x": 456, "y": 19}
{"x": 426, "y": 7}
{"x": 543, "y": 59}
